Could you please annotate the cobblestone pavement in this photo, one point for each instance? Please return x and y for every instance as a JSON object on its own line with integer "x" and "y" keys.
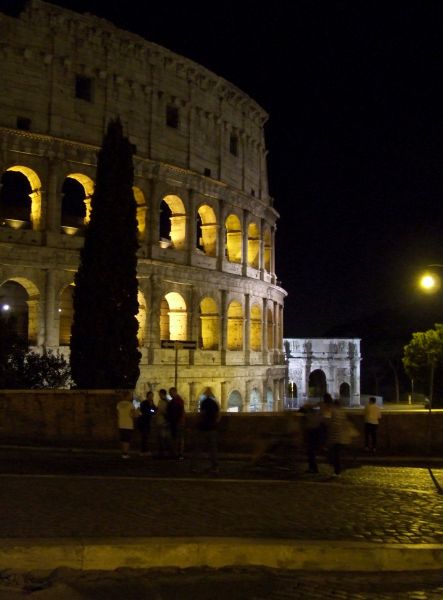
{"x": 210, "y": 584}
{"x": 58, "y": 493}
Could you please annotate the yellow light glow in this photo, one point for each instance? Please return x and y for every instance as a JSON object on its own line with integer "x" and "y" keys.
{"x": 430, "y": 283}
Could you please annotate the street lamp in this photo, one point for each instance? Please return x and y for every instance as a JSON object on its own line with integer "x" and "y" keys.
{"x": 429, "y": 281}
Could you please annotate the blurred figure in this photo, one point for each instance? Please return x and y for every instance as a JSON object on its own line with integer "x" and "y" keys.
{"x": 162, "y": 425}
{"x": 147, "y": 411}
{"x": 312, "y": 434}
{"x": 176, "y": 419}
{"x": 205, "y": 435}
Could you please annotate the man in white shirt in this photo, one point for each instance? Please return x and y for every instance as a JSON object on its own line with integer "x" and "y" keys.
{"x": 126, "y": 413}
{"x": 372, "y": 418}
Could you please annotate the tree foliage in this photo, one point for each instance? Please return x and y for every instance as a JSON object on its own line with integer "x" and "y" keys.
{"x": 423, "y": 357}
{"x": 104, "y": 346}
{"x": 21, "y": 368}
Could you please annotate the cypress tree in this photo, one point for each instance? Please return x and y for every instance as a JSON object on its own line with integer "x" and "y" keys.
{"x": 104, "y": 351}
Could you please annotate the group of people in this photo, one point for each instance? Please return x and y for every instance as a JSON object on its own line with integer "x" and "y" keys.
{"x": 327, "y": 428}
{"x": 162, "y": 426}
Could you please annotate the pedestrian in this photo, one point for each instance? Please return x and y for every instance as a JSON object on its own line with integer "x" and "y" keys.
{"x": 162, "y": 426}
{"x": 205, "y": 434}
{"x": 326, "y": 415}
{"x": 341, "y": 432}
{"x": 372, "y": 416}
{"x": 176, "y": 418}
{"x": 126, "y": 413}
{"x": 312, "y": 434}
{"x": 147, "y": 411}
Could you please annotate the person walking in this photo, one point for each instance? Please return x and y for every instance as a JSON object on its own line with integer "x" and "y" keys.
{"x": 372, "y": 416}
{"x": 338, "y": 436}
{"x": 162, "y": 426}
{"x": 205, "y": 434}
{"x": 147, "y": 411}
{"x": 312, "y": 434}
{"x": 176, "y": 418}
{"x": 126, "y": 414}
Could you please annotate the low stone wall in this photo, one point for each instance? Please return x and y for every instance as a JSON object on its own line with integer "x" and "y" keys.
{"x": 88, "y": 419}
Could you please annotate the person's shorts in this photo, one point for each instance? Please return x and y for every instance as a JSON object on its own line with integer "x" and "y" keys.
{"x": 125, "y": 435}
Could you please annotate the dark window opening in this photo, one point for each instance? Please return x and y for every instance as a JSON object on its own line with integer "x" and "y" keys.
{"x": 165, "y": 221}
{"x": 15, "y": 202}
{"x": 73, "y": 203}
{"x": 233, "y": 145}
{"x": 172, "y": 119}
{"x": 252, "y": 192}
{"x": 207, "y": 172}
{"x": 23, "y": 123}
{"x": 83, "y": 88}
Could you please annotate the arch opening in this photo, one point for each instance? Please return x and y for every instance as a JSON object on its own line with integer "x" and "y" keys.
{"x": 209, "y": 324}
{"x": 235, "y": 326}
{"x": 234, "y": 239}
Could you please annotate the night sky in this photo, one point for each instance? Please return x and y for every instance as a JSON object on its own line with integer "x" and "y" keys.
{"x": 353, "y": 89}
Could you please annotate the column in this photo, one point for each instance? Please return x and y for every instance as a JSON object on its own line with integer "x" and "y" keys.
{"x": 154, "y": 218}
{"x": 245, "y": 242}
{"x": 264, "y": 332}
{"x": 52, "y": 204}
{"x": 223, "y": 334}
{"x": 273, "y": 274}
{"x": 247, "y": 329}
{"x": 223, "y": 396}
{"x": 191, "y": 225}
{"x": 221, "y": 235}
{"x": 193, "y": 400}
{"x": 51, "y": 335}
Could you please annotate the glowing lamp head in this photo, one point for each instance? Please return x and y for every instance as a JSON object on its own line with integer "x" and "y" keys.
{"x": 430, "y": 283}
{"x": 6, "y": 308}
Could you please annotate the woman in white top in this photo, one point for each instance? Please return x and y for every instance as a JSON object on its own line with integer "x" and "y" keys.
{"x": 126, "y": 413}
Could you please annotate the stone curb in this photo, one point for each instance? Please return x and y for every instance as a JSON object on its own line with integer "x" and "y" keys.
{"x": 150, "y": 552}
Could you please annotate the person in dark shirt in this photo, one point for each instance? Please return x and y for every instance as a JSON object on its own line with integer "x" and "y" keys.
{"x": 147, "y": 411}
{"x": 175, "y": 415}
{"x": 205, "y": 435}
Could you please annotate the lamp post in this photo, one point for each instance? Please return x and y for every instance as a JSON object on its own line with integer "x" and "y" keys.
{"x": 430, "y": 282}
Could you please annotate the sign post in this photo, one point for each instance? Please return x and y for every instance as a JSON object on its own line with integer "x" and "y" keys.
{"x": 178, "y": 345}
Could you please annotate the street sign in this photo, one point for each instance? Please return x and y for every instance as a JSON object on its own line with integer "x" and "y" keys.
{"x": 179, "y": 344}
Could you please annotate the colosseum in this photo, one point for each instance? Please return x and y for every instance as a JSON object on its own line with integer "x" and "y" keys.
{"x": 206, "y": 263}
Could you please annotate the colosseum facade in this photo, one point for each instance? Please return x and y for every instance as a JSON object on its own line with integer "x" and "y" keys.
{"x": 206, "y": 264}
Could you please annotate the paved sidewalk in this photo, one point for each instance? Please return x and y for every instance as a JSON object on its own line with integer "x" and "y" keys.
{"x": 88, "y": 501}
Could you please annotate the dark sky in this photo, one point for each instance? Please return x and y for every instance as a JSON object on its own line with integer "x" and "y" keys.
{"x": 355, "y": 135}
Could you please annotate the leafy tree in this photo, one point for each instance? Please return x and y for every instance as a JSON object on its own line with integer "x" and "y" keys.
{"x": 24, "y": 369}
{"x": 104, "y": 351}
{"x": 423, "y": 355}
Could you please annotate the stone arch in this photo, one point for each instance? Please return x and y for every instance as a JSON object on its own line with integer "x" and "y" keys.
{"x": 66, "y": 313}
{"x": 140, "y": 202}
{"x": 254, "y": 400}
{"x": 267, "y": 249}
{"x": 20, "y": 299}
{"x": 209, "y": 324}
{"x": 207, "y": 230}
{"x": 235, "y": 402}
{"x": 253, "y": 246}
{"x": 256, "y": 328}
{"x": 30, "y": 208}
{"x": 234, "y": 241}
{"x": 317, "y": 383}
{"x": 173, "y": 317}
{"x": 77, "y": 191}
{"x": 141, "y": 317}
{"x": 172, "y": 209}
{"x": 235, "y": 326}
{"x": 270, "y": 331}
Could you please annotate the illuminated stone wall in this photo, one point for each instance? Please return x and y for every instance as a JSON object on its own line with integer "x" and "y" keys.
{"x": 335, "y": 363}
{"x": 206, "y": 221}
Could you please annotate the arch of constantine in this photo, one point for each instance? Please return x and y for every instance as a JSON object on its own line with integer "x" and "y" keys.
{"x": 317, "y": 366}
{"x": 206, "y": 263}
